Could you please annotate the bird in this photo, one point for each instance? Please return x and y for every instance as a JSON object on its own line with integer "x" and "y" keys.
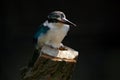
{"x": 52, "y": 31}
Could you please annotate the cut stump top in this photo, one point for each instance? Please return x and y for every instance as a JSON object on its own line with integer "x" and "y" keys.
{"x": 68, "y": 54}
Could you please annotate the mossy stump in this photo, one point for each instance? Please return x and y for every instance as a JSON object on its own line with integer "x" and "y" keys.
{"x": 52, "y": 67}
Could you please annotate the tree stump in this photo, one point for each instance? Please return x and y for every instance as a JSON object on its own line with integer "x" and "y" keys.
{"x": 52, "y": 64}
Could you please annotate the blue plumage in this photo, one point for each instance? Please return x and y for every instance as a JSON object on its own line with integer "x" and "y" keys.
{"x": 41, "y": 31}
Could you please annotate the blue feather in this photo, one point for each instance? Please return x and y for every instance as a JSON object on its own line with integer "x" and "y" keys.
{"x": 41, "y": 31}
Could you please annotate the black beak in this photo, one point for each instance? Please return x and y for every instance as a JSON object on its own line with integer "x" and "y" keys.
{"x": 64, "y": 20}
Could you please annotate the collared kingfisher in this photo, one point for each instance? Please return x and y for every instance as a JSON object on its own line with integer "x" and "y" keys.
{"x": 52, "y": 31}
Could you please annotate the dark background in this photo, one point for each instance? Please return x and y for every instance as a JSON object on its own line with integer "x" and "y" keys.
{"x": 96, "y": 36}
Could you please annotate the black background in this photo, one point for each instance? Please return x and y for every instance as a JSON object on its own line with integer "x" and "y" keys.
{"x": 96, "y": 36}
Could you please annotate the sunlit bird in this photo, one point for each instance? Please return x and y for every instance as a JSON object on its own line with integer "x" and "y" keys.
{"x": 52, "y": 31}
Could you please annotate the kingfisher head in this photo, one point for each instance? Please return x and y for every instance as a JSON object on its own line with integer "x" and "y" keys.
{"x": 59, "y": 17}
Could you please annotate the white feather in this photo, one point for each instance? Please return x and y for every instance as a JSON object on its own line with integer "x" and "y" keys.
{"x": 55, "y": 35}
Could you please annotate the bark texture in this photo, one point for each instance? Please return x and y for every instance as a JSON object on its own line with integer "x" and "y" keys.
{"x": 49, "y": 67}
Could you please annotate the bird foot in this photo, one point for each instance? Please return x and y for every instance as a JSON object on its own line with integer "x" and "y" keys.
{"x": 62, "y": 48}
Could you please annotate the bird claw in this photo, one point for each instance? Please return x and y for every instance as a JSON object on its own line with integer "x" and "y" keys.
{"x": 62, "y": 48}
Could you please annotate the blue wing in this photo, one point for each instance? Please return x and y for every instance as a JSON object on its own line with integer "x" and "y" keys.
{"x": 41, "y": 31}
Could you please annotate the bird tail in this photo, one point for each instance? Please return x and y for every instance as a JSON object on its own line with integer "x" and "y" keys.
{"x": 34, "y": 58}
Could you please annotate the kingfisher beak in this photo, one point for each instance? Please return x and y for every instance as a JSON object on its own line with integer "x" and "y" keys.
{"x": 66, "y": 21}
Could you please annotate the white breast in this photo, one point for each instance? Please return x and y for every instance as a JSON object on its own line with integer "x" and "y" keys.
{"x": 56, "y": 34}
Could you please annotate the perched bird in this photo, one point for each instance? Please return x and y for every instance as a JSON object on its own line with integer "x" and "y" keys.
{"x": 52, "y": 31}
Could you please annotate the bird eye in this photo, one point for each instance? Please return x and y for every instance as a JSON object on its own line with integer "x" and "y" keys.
{"x": 62, "y": 16}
